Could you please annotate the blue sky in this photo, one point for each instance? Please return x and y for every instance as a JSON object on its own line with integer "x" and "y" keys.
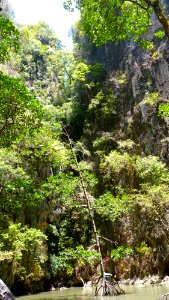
{"x": 51, "y": 11}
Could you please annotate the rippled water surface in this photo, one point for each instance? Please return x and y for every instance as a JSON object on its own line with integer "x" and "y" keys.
{"x": 132, "y": 293}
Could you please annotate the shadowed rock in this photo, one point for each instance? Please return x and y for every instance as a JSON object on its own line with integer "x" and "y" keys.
{"x": 5, "y": 293}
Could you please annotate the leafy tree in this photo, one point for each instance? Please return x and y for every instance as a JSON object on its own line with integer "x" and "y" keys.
{"x": 9, "y": 40}
{"x": 85, "y": 83}
{"x": 151, "y": 171}
{"x": 17, "y": 187}
{"x": 112, "y": 208}
{"x": 21, "y": 249}
{"x": 132, "y": 172}
{"x": 43, "y": 184}
{"x": 118, "y": 171}
{"x": 19, "y": 111}
{"x": 64, "y": 264}
{"x": 121, "y": 252}
{"x": 111, "y": 20}
{"x": 37, "y": 61}
{"x": 42, "y": 32}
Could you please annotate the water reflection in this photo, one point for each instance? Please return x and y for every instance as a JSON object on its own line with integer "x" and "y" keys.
{"x": 132, "y": 293}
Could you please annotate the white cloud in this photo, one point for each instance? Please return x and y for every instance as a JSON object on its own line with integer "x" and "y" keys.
{"x": 51, "y": 11}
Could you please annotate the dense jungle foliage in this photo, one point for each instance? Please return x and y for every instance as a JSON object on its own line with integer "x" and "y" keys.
{"x": 60, "y": 118}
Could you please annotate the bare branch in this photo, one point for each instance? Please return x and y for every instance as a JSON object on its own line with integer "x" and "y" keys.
{"x": 103, "y": 238}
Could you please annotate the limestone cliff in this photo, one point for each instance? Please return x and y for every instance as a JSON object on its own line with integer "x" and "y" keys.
{"x": 127, "y": 118}
{"x": 140, "y": 81}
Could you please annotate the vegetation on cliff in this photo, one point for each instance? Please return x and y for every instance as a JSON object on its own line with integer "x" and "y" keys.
{"x": 64, "y": 118}
{"x": 119, "y": 19}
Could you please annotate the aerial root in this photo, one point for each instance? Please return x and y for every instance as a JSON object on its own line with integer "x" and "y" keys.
{"x": 108, "y": 287}
{"x": 164, "y": 297}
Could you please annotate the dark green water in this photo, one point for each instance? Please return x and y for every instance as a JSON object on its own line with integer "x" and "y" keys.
{"x": 132, "y": 293}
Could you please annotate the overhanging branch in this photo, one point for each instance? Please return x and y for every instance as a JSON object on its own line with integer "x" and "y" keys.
{"x": 139, "y": 4}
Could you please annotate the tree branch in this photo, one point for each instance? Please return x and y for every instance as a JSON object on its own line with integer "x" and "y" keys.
{"x": 158, "y": 10}
{"x": 103, "y": 238}
{"x": 138, "y": 4}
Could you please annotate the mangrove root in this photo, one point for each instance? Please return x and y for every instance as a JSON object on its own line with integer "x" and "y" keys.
{"x": 164, "y": 297}
{"x": 108, "y": 287}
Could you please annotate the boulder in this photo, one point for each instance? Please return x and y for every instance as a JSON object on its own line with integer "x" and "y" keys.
{"x": 5, "y": 293}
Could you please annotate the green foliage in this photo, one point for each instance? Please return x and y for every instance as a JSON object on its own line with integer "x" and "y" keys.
{"x": 151, "y": 201}
{"x": 80, "y": 72}
{"x": 117, "y": 162}
{"x": 159, "y": 34}
{"x": 112, "y": 208}
{"x": 120, "y": 20}
{"x": 39, "y": 61}
{"x": 20, "y": 113}
{"x": 120, "y": 78}
{"x": 144, "y": 249}
{"x": 39, "y": 178}
{"x": 114, "y": 19}
{"x": 151, "y": 99}
{"x": 25, "y": 248}
{"x": 126, "y": 146}
{"x": 60, "y": 190}
{"x": 60, "y": 265}
{"x": 118, "y": 170}
{"x": 132, "y": 172}
{"x": 164, "y": 109}
{"x": 147, "y": 45}
{"x": 43, "y": 147}
{"x": 121, "y": 252}
{"x": 151, "y": 170}
{"x": 90, "y": 180}
{"x": 97, "y": 72}
{"x": 17, "y": 187}
{"x": 42, "y": 32}
{"x": 9, "y": 39}
{"x": 103, "y": 105}
{"x": 104, "y": 142}
{"x": 70, "y": 5}
{"x": 84, "y": 83}
{"x": 156, "y": 55}
{"x": 69, "y": 258}
{"x": 101, "y": 111}
{"x": 75, "y": 116}
{"x": 81, "y": 149}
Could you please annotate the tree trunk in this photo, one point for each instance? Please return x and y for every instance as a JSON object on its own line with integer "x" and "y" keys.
{"x": 158, "y": 10}
{"x": 108, "y": 287}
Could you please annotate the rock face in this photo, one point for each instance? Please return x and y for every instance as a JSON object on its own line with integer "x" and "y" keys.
{"x": 137, "y": 83}
{"x": 140, "y": 82}
{"x": 146, "y": 88}
{"x": 5, "y": 293}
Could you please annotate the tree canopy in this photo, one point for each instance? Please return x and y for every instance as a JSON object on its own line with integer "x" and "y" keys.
{"x": 9, "y": 38}
{"x": 119, "y": 19}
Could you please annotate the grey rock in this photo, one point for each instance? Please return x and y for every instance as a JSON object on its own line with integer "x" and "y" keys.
{"x": 5, "y": 293}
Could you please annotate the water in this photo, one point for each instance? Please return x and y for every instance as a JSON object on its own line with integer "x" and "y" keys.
{"x": 132, "y": 293}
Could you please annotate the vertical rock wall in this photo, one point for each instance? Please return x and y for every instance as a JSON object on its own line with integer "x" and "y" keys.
{"x": 146, "y": 86}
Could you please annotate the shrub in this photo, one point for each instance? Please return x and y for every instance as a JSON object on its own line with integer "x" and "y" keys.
{"x": 25, "y": 249}
{"x": 121, "y": 252}
{"x": 151, "y": 170}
